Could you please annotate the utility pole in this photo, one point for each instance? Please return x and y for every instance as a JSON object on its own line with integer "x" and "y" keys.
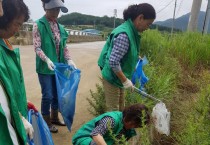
{"x": 94, "y": 24}
{"x": 172, "y": 27}
{"x": 115, "y": 16}
{"x": 193, "y": 21}
{"x": 206, "y": 20}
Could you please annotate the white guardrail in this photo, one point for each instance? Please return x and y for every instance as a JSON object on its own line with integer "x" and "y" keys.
{"x": 27, "y": 26}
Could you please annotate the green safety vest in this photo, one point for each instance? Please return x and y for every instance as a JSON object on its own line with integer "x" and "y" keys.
{"x": 130, "y": 59}
{"x": 82, "y": 136}
{"x": 12, "y": 80}
{"x": 48, "y": 45}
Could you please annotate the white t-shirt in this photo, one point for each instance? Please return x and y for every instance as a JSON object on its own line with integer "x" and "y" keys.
{"x": 6, "y": 109}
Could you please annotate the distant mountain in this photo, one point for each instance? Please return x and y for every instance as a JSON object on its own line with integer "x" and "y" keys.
{"x": 182, "y": 22}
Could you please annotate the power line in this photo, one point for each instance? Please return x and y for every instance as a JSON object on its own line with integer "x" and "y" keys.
{"x": 160, "y": 3}
{"x": 165, "y": 7}
{"x": 162, "y": 15}
{"x": 180, "y": 5}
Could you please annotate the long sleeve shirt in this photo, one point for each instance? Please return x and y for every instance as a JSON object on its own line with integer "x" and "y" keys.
{"x": 120, "y": 48}
{"x": 56, "y": 35}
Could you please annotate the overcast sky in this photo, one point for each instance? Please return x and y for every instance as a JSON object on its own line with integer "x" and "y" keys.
{"x": 164, "y": 8}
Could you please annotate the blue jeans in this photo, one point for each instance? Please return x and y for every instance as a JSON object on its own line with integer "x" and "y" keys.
{"x": 49, "y": 93}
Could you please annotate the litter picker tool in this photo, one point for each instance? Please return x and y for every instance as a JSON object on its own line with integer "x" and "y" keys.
{"x": 145, "y": 94}
{"x": 160, "y": 114}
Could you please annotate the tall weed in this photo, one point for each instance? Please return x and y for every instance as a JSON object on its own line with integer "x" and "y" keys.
{"x": 197, "y": 125}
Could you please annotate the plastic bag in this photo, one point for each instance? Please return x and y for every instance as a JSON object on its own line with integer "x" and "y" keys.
{"x": 67, "y": 81}
{"x": 42, "y": 135}
{"x": 161, "y": 118}
{"x": 139, "y": 73}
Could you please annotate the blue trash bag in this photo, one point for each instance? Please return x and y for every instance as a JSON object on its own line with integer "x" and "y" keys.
{"x": 42, "y": 135}
{"x": 67, "y": 81}
{"x": 139, "y": 73}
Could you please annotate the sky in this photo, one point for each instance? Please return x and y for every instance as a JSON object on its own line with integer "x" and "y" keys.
{"x": 164, "y": 8}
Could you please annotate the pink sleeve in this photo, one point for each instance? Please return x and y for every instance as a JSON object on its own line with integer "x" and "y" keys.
{"x": 67, "y": 53}
{"x": 37, "y": 43}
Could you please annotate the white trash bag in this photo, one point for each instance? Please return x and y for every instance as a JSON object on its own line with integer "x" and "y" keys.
{"x": 161, "y": 118}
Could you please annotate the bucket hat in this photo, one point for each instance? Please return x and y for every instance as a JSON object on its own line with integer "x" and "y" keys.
{"x": 56, "y": 4}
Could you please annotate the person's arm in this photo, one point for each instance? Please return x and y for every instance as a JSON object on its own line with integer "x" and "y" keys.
{"x": 121, "y": 76}
{"x": 99, "y": 140}
{"x": 37, "y": 47}
{"x": 37, "y": 43}
{"x": 68, "y": 57}
{"x": 101, "y": 129}
{"x": 119, "y": 50}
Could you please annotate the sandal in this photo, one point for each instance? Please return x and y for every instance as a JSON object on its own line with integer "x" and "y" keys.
{"x": 53, "y": 129}
{"x": 58, "y": 122}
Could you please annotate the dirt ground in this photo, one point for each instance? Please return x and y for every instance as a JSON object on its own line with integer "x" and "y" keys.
{"x": 85, "y": 56}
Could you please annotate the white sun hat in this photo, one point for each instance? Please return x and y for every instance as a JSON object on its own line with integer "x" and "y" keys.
{"x": 56, "y": 4}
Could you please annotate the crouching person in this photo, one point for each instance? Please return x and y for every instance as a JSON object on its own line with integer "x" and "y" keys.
{"x": 100, "y": 130}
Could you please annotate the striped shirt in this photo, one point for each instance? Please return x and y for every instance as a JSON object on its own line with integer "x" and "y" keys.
{"x": 120, "y": 48}
{"x": 103, "y": 125}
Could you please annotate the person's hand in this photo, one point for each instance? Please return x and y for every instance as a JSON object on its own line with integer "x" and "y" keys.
{"x": 128, "y": 84}
{"x": 71, "y": 63}
{"x": 31, "y": 106}
{"x": 50, "y": 64}
{"x": 28, "y": 128}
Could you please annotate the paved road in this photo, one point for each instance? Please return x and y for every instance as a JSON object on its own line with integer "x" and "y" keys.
{"x": 85, "y": 56}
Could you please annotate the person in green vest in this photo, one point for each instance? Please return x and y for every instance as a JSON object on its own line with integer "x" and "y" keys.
{"x": 111, "y": 127}
{"x": 49, "y": 40}
{"x": 120, "y": 53}
{"x": 14, "y": 127}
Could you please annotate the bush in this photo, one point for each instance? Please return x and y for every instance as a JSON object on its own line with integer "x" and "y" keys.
{"x": 97, "y": 101}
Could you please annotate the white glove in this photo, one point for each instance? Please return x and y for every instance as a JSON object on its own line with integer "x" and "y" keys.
{"x": 128, "y": 84}
{"x": 50, "y": 64}
{"x": 28, "y": 128}
{"x": 71, "y": 63}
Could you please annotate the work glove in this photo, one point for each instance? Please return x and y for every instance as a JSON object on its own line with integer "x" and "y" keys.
{"x": 28, "y": 128}
{"x": 31, "y": 106}
{"x": 71, "y": 63}
{"x": 128, "y": 84}
{"x": 50, "y": 64}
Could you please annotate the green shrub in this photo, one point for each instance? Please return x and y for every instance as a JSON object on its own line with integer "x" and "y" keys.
{"x": 97, "y": 101}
